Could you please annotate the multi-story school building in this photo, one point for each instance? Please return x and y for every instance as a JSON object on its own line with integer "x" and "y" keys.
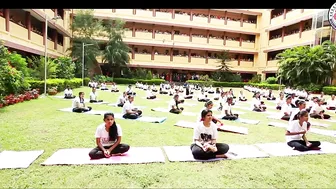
{"x": 179, "y": 44}
{"x": 23, "y": 31}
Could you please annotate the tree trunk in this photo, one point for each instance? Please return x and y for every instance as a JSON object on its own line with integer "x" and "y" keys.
{"x": 95, "y": 70}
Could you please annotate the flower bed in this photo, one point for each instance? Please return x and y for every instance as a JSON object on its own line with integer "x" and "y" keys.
{"x": 12, "y": 99}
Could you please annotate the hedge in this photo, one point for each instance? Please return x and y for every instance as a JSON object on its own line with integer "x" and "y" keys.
{"x": 236, "y": 84}
{"x": 329, "y": 90}
{"x": 133, "y": 81}
{"x": 61, "y": 84}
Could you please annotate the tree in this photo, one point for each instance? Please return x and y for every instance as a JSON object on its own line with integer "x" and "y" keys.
{"x": 116, "y": 50}
{"x": 65, "y": 68}
{"x": 19, "y": 63}
{"x": 38, "y": 69}
{"x": 223, "y": 57}
{"x": 329, "y": 56}
{"x": 85, "y": 27}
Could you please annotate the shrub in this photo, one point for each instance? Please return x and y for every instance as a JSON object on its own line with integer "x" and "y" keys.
{"x": 311, "y": 87}
{"x": 133, "y": 81}
{"x": 329, "y": 90}
{"x": 238, "y": 84}
{"x": 271, "y": 80}
{"x": 86, "y": 81}
{"x": 226, "y": 76}
{"x": 65, "y": 68}
{"x": 60, "y": 84}
{"x": 256, "y": 78}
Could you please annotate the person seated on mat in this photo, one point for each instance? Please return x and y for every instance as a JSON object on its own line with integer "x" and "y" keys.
{"x": 296, "y": 112}
{"x": 202, "y": 97}
{"x": 78, "y": 104}
{"x": 149, "y": 94}
{"x": 103, "y": 86}
{"x": 173, "y": 105}
{"x": 129, "y": 90}
{"x": 154, "y": 89}
{"x": 323, "y": 99}
{"x": 331, "y": 104}
{"x": 231, "y": 93}
{"x": 122, "y": 99}
{"x": 256, "y": 103}
{"x": 281, "y": 101}
{"x": 286, "y": 109}
{"x": 68, "y": 93}
{"x": 128, "y": 111}
{"x": 208, "y": 106}
{"x": 187, "y": 93}
{"x": 163, "y": 90}
{"x": 317, "y": 111}
{"x": 222, "y": 101}
{"x": 241, "y": 96}
{"x": 217, "y": 96}
{"x": 205, "y": 137}
{"x": 90, "y": 83}
{"x": 227, "y": 110}
{"x": 94, "y": 96}
{"x": 211, "y": 90}
{"x": 108, "y": 139}
{"x": 296, "y": 134}
{"x": 270, "y": 95}
{"x": 218, "y": 91}
{"x": 171, "y": 91}
{"x": 114, "y": 88}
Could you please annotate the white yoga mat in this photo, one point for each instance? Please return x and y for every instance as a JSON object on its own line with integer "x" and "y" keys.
{"x": 116, "y": 105}
{"x": 242, "y": 120}
{"x": 80, "y": 156}
{"x": 18, "y": 159}
{"x": 249, "y": 109}
{"x": 282, "y": 149}
{"x": 99, "y": 103}
{"x": 185, "y": 104}
{"x": 183, "y": 153}
{"x": 225, "y": 128}
{"x": 92, "y": 112}
{"x": 143, "y": 118}
{"x": 166, "y": 110}
{"x": 279, "y": 116}
{"x": 62, "y": 97}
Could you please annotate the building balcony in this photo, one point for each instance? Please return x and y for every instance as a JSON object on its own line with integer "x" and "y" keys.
{"x": 290, "y": 38}
{"x": 292, "y": 17}
{"x": 218, "y": 42}
{"x": 272, "y": 63}
{"x": 246, "y": 64}
{"x": 200, "y": 20}
{"x": 275, "y": 42}
{"x": 163, "y": 37}
{"x": 36, "y": 38}
{"x": 60, "y": 48}
{"x": 2, "y": 24}
{"x": 234, "y": 24}
{"x": 248, "y": 45}
{"x": 18, "y": 31}
{"x": 195, "y": 60}
{"x": 162, "y": 58}
{"x": 180, "y": 60}
{"x": 199, "y": 40}
{"x": 144, "y": 35}
{"x": 143, "y": 57}
{"x": 230, "y": 43}
{"x": 181, "y": 38}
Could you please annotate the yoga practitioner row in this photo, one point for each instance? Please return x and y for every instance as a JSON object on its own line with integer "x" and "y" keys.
{"x": 78, "y": 104}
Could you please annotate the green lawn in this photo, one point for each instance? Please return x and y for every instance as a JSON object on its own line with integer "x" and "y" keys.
{"x": 38, "y": 125}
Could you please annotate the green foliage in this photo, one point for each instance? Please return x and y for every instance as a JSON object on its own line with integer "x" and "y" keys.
{"x": 37, "y": 71}
{"x": 237, "y": 84}
{"x": 206, "y": 80}
{"x": 311, "y": 87}
{"x": 19, "y": 63}
{"x": 60, "y": 84}
{"x": 304, "y": 65}
{"x": 226, "y": 76}
{"x": 223, "y": 57}
{"x": 271, "y": 80}
{"x": 256, "y": 79}
{"x": 86, "y": 81}
{"x": 11, "y": 80}
{"x": 329, "y": 90}
{"x": 65, "y": 68}
{"x": 140, "y": 73}
{"x": 133, "y": 81}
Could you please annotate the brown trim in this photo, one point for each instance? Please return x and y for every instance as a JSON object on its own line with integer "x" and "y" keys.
{"x": 189, "y": 56}
{"x": 171, "y": 54}
{"x": 190, "y": 35}
{"x": 191, "y": 15}
{"x": 301, "y": 29}
{"x": 152, "y": 56}
{"x": 239, "y": 59}
{"x": 224, "y": 40}
{"x": 209, "y": 18}
{"x": 284, "y": 14}
{"x": 6, "y": 14}
{"x": 206, "y": 57}
{"x": 153, "y": 31}
{"x": 240, "y": 39}
{"x": 133, "y": 53}
{"x": 173, "y": 14}
{"x": 225, "y": 18}
{"x": 113, "y": 10}
{"x": 154, "y": 13}
{"x": 302, "y": 10}
{"x": 241, "y": 20}
{"x": 55, "y": 12}
{"x": 283, "y": 34}
{"x": 55, "y": 39}
{"x": 172, "y": 33}
{"x": 28, "y": 24}
{"x": 208, "y": 36}
{"x": 133, "y": 30}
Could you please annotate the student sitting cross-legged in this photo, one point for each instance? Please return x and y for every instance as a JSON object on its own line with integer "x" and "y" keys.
{"x": 208, "y": 106}
{"x": 257, "y": 105}
{"x": 108, "y": 139}
{"x": 331, "y": 104}
{"x": 94, "y": 96}
{"x": 114, "y": 88}
{"x": 103, "y": 86}
{"x": 149, "y": 94}
{"x": 287, "y": 109}
{"x": 122, "y": 99}
{"x": 78, "y": 104}
{"x": 173, "y": 106}
{"x": 296, "y": 112}
{"x": 128, "y": 111}
{"x": 296, "y": 134}
{"x": 242, "y": 97}
{"x": 317, "y": 111}
{"x": 205, "y": 144}
{"x": 68, "y": 93}
{"x": 227, "y": 111}
{"x": 280, "y": 102}
{"x": 202, "y": 97}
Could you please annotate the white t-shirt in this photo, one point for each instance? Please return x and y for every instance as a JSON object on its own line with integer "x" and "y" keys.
{"x": 201, "y": 96}
{"x": 127, "y": 106}
{"x": 281, "y": 102}
{"x": 93, "y": 96}
{"x": 121, "y": 99}
{"x": 317, "y": 108}
{"x": 241, "y": 96}
{"x": 75, "y": 101}
{"x": 294, "y": 112}
{"x": 171, "y": 104}
{"x": 226, "y": 107}
{"x": 256, "y": 102}
{"x": 129, "y": 90}
{"x": 205, "y": 134}
{"x": 67, "y": 92}
{"x": 104, "y": 135}
{"x": 114, "y": 87}
{"x": 294, "y": 126}
{"x": 331, "y": 103}
{"x": 286, "y": 108}
{"x": 149, "y": 93}
{"x": 103, "y": 85}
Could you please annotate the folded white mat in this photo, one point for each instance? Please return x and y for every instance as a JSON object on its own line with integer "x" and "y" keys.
{"x": 282, "y": 149}
{"x": 62, "y": 97}
{"x": 236, "y": 151}
{"x": 166, "y": 110}
{"x": 143, "y": 118}
{"x": 225, "y": 128}
{"x": 92, "y": 112}
{"x": 18, "y": 159}
{"x": 116, "y": 105}
{"x": 279, "y": 116}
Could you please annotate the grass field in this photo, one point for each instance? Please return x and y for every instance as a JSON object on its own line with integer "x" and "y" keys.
{"x": 37, "y": 125}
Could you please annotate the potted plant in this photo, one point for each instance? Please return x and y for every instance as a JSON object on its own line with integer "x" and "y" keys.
{"x": 52, "y": 91}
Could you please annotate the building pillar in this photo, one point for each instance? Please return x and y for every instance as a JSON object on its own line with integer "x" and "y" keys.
{"x": 172, "y": 33}
{"x": 224, "y": 42}
{"x": 285, "y": 12}
{"x": 225, "y": 17}
{"x": 240, "y": 40}
{"x": 191, "y": 15}
{"x": 133, "y": 53}
{"x": 154, "y": 13}
{"x": 173, "y": 14}
{"x": 206, "y": 57}
{"x": 241, "y": 20}
{"x": 152, "y": 57}
{"x": 189, "y": 56}
{"x": 55, "y": 12}
{"x": 239, "y": 59}
{"x": 153, "y": 32}
{"x": 171, "y": 54}
{"x": 134, "y": 11}
{"x": 190, "y": 35}
{"x": 28, "y": 24}
{"x": 208, "y": 36}
{"x": 283, "y": 34}
{"x": 55, "y": 36}
{"x": 6, "y": 14}
{"x": 301, "y": 29}
{"x": 113, "y": 10}
{"x": 209, "y": 18}
{"x": 133, "y": 29}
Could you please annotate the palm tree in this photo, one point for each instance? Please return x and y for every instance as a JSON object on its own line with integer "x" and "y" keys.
{"x": 223, "y": 57}
{"x": 116, "y": 50}
{"x": 329, "y": 56}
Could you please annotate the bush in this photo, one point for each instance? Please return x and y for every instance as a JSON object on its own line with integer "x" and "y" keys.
{"x": 133, "y": 81}
{"x": 60, "y": 84}
{"x": 271, "y": 80}
{"x": 65, "y": 68}
{"x": 226, "y": 76}
{"x": 205, "y": 83}
{"x": 86, "y": 81}
{"x": 256, "y": 78}
{"x": 238, "y": 84}
{"x": 311, "y": 87}
{"x": 329, "y": 90}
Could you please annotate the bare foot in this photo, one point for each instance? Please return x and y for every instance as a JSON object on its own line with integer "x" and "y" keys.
{"x": 221, "y": 156}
